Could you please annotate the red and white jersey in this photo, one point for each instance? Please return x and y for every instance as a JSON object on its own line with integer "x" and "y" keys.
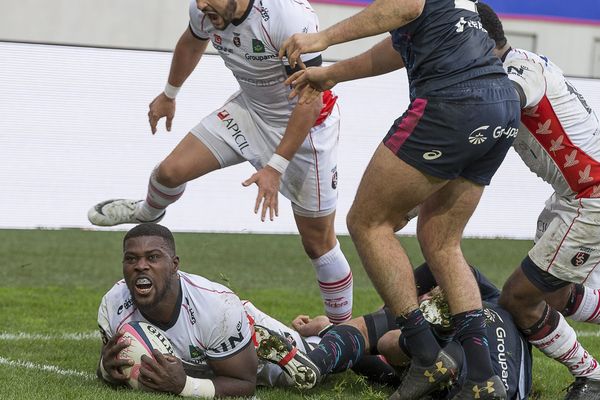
{"x": 249, "y": 49}
{"x": 211, "y": 324}
{"x": 559, "y": 139}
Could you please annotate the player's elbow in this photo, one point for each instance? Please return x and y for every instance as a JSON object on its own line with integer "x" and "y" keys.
{"x": 412, "y": 9}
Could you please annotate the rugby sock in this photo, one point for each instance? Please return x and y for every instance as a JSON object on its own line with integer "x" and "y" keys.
{"x": 417, "y": 340}
{"x": 340, "y": 349}
{"x": 377, "y": 370}
{"x": 554, "y": 337}
{"x": 584, "y": 304}
{"x": 157, "y": 199}
{"x": 335, "y": 282}
{"x": 471, "y": 334}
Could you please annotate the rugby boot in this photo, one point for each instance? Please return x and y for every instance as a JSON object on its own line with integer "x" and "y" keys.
{"x": 275, "y": 348}
{"x": 490, "y": 389}
{"x": 116, "y": 212}
{"x": 420, "y": 380}
{"x": 583, "y": 389}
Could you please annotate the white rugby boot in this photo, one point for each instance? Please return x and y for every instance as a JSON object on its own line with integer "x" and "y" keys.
{"x": 117, "y": 211}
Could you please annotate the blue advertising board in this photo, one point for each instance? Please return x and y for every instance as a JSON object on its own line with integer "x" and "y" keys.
{"x": 573, "y": 11}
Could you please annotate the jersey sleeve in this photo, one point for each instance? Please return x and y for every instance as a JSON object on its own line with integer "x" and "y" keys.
{"x": 196, "y": 20}
{"x": 230, "y": 331}
{"x": 529, "y": 75}
{"x": 299, "y": 17}
{"x": 104, "y": 321}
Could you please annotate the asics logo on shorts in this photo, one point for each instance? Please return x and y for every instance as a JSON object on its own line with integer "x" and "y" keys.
{"x": 432, "y": 155}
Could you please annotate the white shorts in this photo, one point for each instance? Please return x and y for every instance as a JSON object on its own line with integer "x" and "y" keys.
{"x": 234, "y": 133}
{"x": 567, "y": 243}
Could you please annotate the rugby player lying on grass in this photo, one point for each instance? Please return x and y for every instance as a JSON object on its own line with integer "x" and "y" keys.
{"x": 369, "y": 344}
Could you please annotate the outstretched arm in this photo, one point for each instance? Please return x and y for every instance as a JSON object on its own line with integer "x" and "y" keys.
{"x": 187, "y": 54}
{"x": 379, "y": 17}
{"x": 378, "y": 60}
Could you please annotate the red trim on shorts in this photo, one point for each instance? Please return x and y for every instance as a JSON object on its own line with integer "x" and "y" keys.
{"x": 407, "y": 126}
{"x": 329, "y": 100}
{"x": 565, "y": 236}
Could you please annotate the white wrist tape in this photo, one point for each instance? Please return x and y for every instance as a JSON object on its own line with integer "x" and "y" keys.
{"x": 195, "y": 387}
{"x": 278, "y": 163}
{"x": 171, "y": 91}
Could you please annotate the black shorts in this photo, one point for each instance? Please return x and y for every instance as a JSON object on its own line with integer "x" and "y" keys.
{"x": 463, "y": 130}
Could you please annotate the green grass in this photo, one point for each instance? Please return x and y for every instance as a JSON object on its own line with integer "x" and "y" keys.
{"x": 51, "y": 283}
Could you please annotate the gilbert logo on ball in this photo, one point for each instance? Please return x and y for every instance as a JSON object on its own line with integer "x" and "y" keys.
{"x": 143, "y": 338}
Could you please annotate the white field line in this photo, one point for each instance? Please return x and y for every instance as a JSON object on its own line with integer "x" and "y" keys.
{"x": 588, "y": 333}
{"x": 62, "y": 336}
{"x": 46, "y": 368}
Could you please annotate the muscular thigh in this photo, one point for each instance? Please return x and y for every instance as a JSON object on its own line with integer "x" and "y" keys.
{"x": 390, "y": 188}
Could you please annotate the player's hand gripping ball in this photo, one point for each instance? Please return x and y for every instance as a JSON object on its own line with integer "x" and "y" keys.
{"x": 143, "y": 338}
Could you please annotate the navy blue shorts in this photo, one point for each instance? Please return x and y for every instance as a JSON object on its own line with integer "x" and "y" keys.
{"x": 463, "y": 130}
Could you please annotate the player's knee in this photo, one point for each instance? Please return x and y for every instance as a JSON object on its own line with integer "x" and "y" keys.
{"x": 169, "y": 174}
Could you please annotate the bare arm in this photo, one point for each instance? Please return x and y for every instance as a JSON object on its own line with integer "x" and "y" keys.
{"x": 379, "y": 17}
{"x": 380, "y": 59}
{"x": 236, "y": 376}
{"x": 187, "y": 54}
{"x": 301, "y": 120}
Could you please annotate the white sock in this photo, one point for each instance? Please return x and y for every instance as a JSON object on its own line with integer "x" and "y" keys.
{"x": 335, "y": 282}
{"x": 157, "y": 199}
{"x": 589, "y": 308}
{"x": 562, "y": 345}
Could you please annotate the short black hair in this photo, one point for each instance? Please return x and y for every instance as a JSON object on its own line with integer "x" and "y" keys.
{"x": 492, "y": 24}
{"x": 151, "y": 229}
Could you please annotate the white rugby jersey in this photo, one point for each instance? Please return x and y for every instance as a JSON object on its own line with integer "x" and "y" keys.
{"x": 211, "y": 323}
{"x": 559, "y": 138}
{"x": 250, "y": 50}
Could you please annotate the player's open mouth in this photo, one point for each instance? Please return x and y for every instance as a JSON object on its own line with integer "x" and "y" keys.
{"x": 143, "y": 286}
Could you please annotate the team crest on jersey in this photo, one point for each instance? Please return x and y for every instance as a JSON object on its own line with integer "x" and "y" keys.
{"x": 334, "y": 178}
{"x": 258, "y": 46}
{"x": 580, "y": 258}
{"x": 237, "y": 42}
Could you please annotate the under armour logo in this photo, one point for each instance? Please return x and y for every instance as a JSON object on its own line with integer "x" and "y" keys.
{"x": 570, "y": 159}
{"x": 584, "y": 176}
{"x": 557, "y": 144}
{"x": 439, "y": 368}
{"x": 544, "y": 129}
{"x": 477, "y": 391}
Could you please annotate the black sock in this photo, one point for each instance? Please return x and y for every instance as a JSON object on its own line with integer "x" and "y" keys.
{"x": 340, "y": 349}
{"x": 417, "y": 340}
{"x": 377, "y": 370}
{"x": 471, "y": 334}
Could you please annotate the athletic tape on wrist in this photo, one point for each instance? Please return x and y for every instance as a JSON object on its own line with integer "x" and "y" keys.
{"x": 171, "y": 91}
{"x": 278, "y": 163}
{"x": 194, "y": 387}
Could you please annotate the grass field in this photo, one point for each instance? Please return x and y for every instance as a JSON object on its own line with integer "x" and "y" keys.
{"x": 51, "y": 283}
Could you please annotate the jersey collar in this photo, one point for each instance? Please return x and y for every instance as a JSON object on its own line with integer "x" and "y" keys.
{"x": 238, "y": 21}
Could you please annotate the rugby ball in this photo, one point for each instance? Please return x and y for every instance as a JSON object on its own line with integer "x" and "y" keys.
{"x": 143, "y": 338}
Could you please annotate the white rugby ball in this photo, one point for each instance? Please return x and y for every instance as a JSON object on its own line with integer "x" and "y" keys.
{"x": 143, "y": 338}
